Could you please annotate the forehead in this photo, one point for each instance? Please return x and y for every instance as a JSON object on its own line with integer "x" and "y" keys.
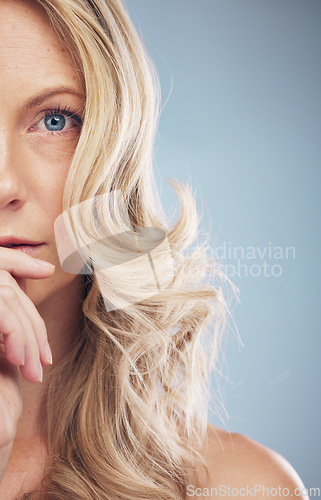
{"x": 30, "y": 51}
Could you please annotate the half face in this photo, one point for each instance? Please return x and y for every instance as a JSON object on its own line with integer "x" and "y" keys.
{"x": 41, "y": 107}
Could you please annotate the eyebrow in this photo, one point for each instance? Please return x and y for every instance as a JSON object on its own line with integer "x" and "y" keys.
{"x": 39, "y": 99}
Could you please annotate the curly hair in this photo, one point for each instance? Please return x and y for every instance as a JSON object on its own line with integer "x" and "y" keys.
{"x": 126, "y": 410}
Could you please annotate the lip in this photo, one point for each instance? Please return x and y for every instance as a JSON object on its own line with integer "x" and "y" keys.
{"x": 8, "y": 241}
{"x": 29, "y": 249}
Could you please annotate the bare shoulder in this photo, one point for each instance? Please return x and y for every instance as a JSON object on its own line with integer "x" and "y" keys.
{"x": 237, "y": 461}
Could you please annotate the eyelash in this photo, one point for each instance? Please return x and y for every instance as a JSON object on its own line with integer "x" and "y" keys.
{"x": 58, "y": 110}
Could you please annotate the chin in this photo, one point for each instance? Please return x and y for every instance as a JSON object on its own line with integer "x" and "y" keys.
{"x": 58, "y": 292}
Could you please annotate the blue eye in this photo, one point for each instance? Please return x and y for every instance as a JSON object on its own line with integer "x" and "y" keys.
{"x": 59, "y": 120}
{"x": 55, "y": 123}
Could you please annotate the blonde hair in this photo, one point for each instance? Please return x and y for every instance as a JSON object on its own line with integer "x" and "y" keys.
{"x": 127, "y": 409}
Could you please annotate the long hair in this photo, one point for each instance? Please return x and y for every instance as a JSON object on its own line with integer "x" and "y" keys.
{"x": 127, "y": 409}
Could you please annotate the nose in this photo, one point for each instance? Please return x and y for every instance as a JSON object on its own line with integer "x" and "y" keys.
{"x": 12, "y": 188}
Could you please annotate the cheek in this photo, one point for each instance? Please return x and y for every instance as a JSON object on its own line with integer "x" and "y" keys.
{"x": 50, "y": 162}
{"x": 54, "y": 151}
{"x": 47, "y": 192}
{"x": 48, "y": 166}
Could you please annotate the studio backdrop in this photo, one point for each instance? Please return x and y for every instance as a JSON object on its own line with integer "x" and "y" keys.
{"x": 241, "y": 112}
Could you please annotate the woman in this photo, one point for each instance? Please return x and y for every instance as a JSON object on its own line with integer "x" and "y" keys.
{"x": 103, "y": 379}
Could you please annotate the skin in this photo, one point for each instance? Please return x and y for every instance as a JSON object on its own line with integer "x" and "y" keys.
{"x": 244, "y": 466}
{"x": 34, "y": 164}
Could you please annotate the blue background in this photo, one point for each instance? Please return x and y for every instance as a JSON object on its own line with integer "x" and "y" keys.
{"x": 241, "y": 118}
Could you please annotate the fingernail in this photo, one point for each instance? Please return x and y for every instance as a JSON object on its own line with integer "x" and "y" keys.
{"x": 48, "y": 353}
{"x": 40, "y": 371}
{"x": 44, "y": 263}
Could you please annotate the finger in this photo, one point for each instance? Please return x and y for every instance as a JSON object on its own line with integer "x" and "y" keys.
{"x": 12, "y": 331}
{"x": 34, "y": 320}
{"x": 37, "y": 327}
{"x": 22, "y": 265}
{"x": 32, "y": 369}
{"x": 22, "y": 348}
{"x": 11, "y": 392}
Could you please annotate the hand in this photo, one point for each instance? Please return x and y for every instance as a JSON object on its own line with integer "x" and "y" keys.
{"x": 23, "y": 341}
{"x": 10, "y": 401}
{"x": 24, "y": 333}
{"x": 10, "y": 409}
